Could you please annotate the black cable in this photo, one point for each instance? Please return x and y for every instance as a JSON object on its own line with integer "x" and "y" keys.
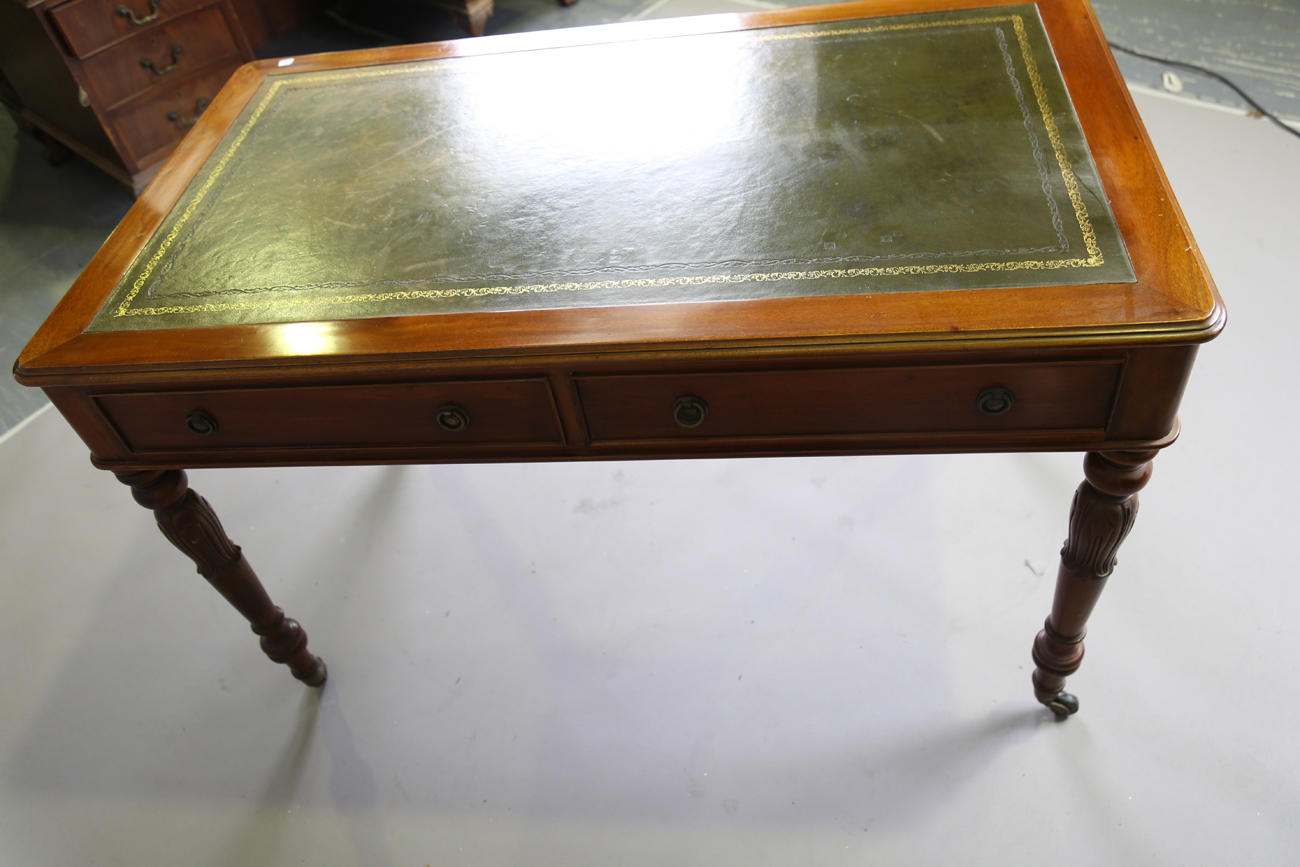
{"x": 1191, "y": 67}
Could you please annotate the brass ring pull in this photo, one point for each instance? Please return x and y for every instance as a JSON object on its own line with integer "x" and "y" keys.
{"x": 200, "y": 423}
{"x": 137, "y": 22}
{"x": 690, "y": 411}
{"x": 995, "y": 401}
{"x": 176, "y": 117}
{"x": 452, "y": 418}
{"x": 157, "y": 70}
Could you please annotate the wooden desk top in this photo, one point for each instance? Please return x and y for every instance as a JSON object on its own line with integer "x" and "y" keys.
{"x": 945, "y": 184}
{"x": 843, "y": 172}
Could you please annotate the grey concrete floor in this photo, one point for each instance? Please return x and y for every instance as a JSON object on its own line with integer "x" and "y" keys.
{"x": 52, "y": 220}
{"x": 811, "y": 661}
{"x": 1255, "y": 43}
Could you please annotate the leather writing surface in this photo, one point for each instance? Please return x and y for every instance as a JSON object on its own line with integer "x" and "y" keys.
{"x": 920, "y": 152}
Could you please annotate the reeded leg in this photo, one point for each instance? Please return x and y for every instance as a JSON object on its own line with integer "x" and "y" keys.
{"x": 189, "y": 523}
{"x": 1102, "y": 514}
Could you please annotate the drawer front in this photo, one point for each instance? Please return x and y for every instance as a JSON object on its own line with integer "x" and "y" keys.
{"x": 175, "y": 49}
{"x": 148, "y": 129}
{"x": 89, "y": 25}
{"x": 396, "y": 414}
{"x": 849, "y": 402}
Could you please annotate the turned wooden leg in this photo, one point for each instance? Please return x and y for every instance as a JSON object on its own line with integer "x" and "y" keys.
{"x": 189, "y": 523}
{"x": 1101, "y": 515}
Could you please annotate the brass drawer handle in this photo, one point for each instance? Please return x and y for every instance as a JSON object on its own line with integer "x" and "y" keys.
{"x": 201, "y": 423}
{"x": 163, "y": 70}
{"x": 690, "y": 411}
{"x": 176, "y": 117}
{"x": 130, "y": 16}
{"x": 452, "y": 418}
{"x": 995, "y": 401}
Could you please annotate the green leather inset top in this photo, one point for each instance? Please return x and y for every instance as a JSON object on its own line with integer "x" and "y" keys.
{"x": 917, "y": 152}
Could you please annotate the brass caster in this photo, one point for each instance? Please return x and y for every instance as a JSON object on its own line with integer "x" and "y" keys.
{"x": 1063, "y": 705}
{"x": 317, "y": 676}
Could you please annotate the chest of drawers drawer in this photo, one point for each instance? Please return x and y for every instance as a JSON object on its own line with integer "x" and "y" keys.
{"x": 1065, "y": 396}
{"x": 451, "y": 414}
{"x": 148, "y": 128}
{"x": 147, "y": 60}
{"x": 89, "y": 25}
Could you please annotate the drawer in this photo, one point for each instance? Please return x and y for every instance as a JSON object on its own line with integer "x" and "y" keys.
{"x": 849, "y": 402}
{"x": 89, "y": 25}
{"x": 390, "y": 414}
{"x": 149, "y": 128}
{"x": 176, "y": 48}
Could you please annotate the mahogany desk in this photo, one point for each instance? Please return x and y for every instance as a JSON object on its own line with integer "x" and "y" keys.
{"x": 922, "y": 226}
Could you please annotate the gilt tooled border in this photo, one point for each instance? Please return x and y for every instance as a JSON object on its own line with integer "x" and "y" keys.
{"x": 1094, "y": 258}
{"x": 747, "y": 266}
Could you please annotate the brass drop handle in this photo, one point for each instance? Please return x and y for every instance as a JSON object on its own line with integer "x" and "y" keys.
{"x": 163, "y": 70}
{"x": 452, "y": 418}
{"x": 137, "y": 22}
{"x": 199, "y": 422}
{"x": 995, "y": 401}
{"x": 176, "y": 117}
{"x": 690, "y": 411}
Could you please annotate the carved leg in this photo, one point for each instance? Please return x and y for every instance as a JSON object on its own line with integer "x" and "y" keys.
{"x": 1102, "y": 514}
{"x": 189, "y": 523}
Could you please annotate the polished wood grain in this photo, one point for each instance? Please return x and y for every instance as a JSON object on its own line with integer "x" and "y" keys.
{"x": 1072, "y": 397}
{"x": 385, "y": 414}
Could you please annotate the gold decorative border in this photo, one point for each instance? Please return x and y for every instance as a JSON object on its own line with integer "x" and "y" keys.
{"x": 1094, "y": 259}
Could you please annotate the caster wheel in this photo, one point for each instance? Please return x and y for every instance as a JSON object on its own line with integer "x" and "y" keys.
{"x": 1063, "y": 705}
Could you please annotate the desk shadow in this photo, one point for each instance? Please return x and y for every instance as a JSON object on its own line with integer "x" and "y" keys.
{"x": 352, "y": 786}
{"x": 159, "y": 715}
{"x": 98, "y": 736}
{"x": 258, "y": 839}
{"x": 897, "y": 783}
{"x": 905, "y": 761}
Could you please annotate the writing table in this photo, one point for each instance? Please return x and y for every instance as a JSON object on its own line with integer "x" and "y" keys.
{"x": 923, "y": 226}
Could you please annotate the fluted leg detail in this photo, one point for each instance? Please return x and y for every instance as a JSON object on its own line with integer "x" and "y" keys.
{"x": 1101, "y": 516}
{"x": 189, "y": 523}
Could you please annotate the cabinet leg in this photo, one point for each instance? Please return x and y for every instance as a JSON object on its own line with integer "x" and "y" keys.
{"x": 1103, "y": 511}
{"x": 474, "y": 21}
{"x": 189, "y": 523}
{"x": 54, "y": 152}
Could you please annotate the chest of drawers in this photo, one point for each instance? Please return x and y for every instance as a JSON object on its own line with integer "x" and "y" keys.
{"x": 118, "y": 82}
